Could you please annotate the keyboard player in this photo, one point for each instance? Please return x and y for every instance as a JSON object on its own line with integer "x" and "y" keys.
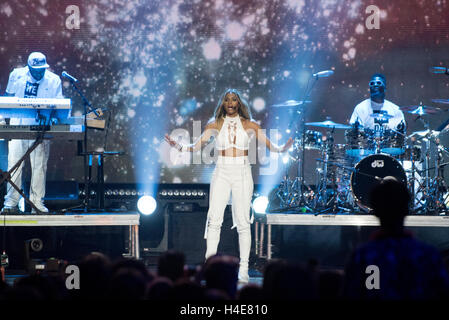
{"x": 31, "y": 81}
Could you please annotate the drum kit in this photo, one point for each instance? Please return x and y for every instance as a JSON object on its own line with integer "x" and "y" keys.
{"x": 346, "y": 173}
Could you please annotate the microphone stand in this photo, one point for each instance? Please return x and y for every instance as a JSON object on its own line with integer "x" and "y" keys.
{"x": 87, "y": 108}
{"x": 308, "y": 91}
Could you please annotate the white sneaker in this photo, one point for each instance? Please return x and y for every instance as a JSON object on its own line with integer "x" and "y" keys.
{"x": 40, "y": 207}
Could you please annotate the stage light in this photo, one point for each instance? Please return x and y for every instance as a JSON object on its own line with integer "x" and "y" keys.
{"x": 260, "y": 204}
{"x": 146, "y": 205}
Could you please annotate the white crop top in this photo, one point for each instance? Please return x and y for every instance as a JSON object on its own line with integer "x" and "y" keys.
{"x": 232, "y": 135}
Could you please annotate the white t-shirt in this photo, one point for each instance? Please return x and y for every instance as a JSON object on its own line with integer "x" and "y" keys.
{"x": 21, "y": 84}
{"x": 362, "y": 113}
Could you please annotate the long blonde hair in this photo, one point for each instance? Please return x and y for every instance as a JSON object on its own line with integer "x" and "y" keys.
{"x": 244, "y": 111}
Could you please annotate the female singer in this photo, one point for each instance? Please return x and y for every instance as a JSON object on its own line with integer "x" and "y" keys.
{"x": 231, "y": 126}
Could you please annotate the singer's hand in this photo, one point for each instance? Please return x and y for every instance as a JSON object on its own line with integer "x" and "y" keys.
{"x": 287, "y": 145}
{"x": 170, "y": 141}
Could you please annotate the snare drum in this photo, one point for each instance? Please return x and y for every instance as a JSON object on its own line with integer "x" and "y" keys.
{"x": 368, "y": 174}
{"x": 313, "y": 140}
{"x": 358, "y": 143}
{"x": 392, "y": 143}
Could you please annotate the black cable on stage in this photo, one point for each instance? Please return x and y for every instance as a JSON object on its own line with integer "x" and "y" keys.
{"x": 4, "y": 256}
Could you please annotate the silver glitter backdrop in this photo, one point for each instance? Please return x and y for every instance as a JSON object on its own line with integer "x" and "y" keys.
{"x": 160, "y": 65}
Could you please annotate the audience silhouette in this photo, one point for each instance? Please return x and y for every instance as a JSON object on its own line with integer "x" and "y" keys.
{"x": 394, "y": 265}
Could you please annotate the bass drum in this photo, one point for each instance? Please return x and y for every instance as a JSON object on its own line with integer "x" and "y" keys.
{"x": 368, "y": 173}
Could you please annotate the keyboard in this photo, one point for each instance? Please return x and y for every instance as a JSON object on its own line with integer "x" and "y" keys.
{"x": 14, "y": 107}
{"x": 30, "y": 132}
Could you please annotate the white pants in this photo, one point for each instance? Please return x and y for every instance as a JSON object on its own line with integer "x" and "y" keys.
{"x": 38, "y": 160}
{"x": 232, "y": 175}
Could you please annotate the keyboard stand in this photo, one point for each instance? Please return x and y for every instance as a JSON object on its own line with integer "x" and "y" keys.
{"x": 6, "y": 175}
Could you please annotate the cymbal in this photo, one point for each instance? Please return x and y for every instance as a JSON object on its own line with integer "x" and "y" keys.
{"x": 420, "y": 110}
{"x": 291, "y": 104}
{"x": 424, "y": 133}
{"x": 444, "y": 101}
{"x": 328, "y": 124}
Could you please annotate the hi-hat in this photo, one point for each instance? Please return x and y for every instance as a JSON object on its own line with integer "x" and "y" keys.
{"x": 291, "y": 104}
{"x": 420, "y": 110}
{"x": 443, "y": 101}
{"x": 328, "y": 124}
{"x": 423, "y": 134}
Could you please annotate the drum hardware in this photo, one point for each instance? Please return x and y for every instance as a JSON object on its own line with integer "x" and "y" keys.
{"x": 443, "y": 101}
{"x": 335, "y": 201}
{"x": 392, "y": 142}
{"x": 288, "y": 195}
{"x": 412, "y": 153}
{"x": 313, "y": 140}
{"x": 357, "y": 140}
{"x": 378, "y": 135}
{"x": 321, "y": 198}
{"x": 291, "y": 104}
{"x": 369, "y": 180}
{"x": 428, "y": 190}
{"x": 298, "y": 190}
{"x": 322, "y": 194}
{"x": 421, "y": 110}
{"x": 433, "y": 186}
{"x": 425, "y": 134}
{"x": 347, "y": 172}
{"x": 434, "y": 189}
{"x": 328, "y": 124}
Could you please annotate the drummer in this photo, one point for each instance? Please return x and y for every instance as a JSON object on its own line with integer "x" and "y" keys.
{"x": 363, "y": 112}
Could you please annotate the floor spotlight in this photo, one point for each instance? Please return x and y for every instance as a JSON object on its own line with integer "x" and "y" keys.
{"x": 260, "y": 204}
{"x": 146, "y": 205}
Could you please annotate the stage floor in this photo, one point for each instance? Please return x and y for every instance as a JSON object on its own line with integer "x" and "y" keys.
{"x": 265, "y": 222}
{"x": 263, "y": 240}
{"x": 72, "y": 219}
{"x": 75, "y": 219}
{"x": 346, "y": 219}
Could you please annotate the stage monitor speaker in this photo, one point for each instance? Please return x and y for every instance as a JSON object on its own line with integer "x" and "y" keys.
{"x": 186, "y": 234}
{"x": 25, "y": 243}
